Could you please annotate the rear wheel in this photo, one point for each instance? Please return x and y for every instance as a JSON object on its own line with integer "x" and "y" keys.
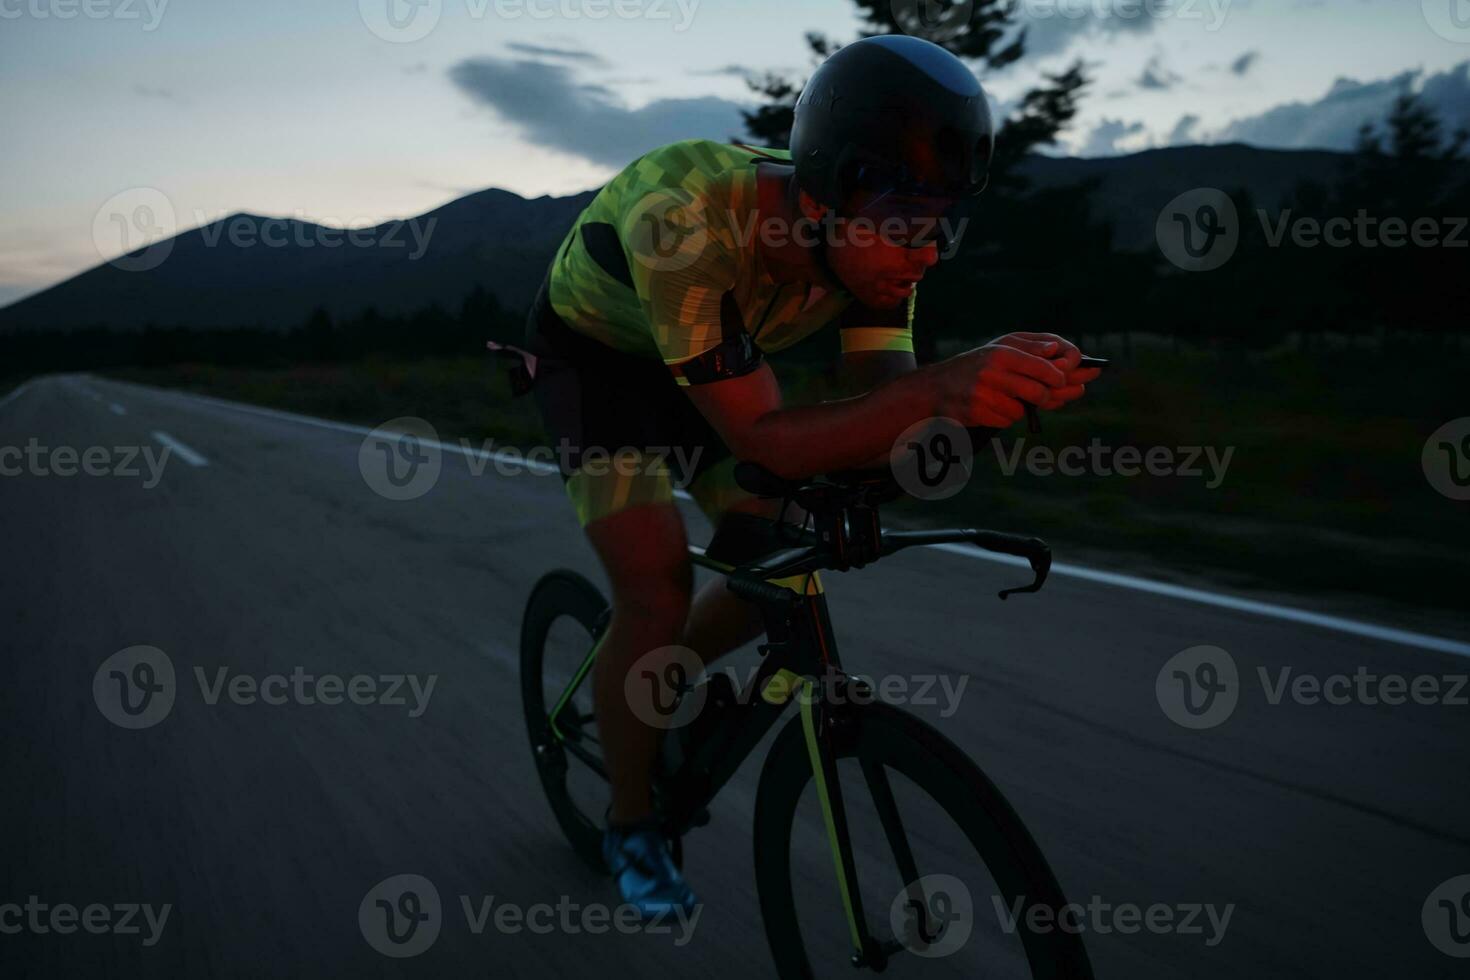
{"x": 943, "y": 863}
{"x": 565, "y": 616}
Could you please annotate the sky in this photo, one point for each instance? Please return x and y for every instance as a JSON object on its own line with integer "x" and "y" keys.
{"x": 350, "y": 112}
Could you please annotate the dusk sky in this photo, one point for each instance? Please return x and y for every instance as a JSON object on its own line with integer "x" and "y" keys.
{"x": 327, "y": 111}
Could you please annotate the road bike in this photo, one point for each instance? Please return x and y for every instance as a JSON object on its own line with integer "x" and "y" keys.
{"x": 776, "y": 564}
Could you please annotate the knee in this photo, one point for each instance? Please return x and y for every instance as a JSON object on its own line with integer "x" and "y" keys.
{"x": 655, "y": 601}
{"x": 644, "y": 550}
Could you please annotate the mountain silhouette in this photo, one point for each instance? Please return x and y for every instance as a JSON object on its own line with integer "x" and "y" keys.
{"x": 250, "y": 270}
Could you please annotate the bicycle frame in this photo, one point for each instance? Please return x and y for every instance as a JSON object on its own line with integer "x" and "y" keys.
{"x": 786, "y": 586}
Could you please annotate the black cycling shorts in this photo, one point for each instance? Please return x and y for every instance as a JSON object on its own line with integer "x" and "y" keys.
{"x": 622, "y": 430}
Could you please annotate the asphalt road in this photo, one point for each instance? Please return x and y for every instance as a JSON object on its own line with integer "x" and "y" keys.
{"x": 260, "y": 549}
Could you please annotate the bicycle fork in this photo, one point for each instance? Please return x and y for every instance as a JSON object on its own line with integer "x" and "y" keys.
{"x": 818, "y": 721}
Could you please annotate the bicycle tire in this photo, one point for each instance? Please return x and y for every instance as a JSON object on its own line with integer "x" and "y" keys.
{"x": 902, "y": 743}
{"x": 558, "y": 594}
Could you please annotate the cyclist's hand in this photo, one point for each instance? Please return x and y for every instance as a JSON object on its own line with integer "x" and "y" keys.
{"x": 1066, "y": 357}
{"x": 988, "y": 386}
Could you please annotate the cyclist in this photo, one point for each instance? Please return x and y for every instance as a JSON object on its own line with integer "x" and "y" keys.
{"x": 651, "y": 329}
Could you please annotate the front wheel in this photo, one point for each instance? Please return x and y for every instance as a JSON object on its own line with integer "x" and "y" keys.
{"x": 564, "y": 619}
{"x": 945, "y": 870}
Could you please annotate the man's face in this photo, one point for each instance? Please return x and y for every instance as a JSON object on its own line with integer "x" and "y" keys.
{"x": 879, "y": 267}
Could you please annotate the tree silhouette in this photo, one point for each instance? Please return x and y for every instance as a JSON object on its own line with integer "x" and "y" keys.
{"x": 974, "y": 30}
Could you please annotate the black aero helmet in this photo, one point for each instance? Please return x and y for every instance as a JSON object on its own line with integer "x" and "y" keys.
{"x": 892, "y": 113}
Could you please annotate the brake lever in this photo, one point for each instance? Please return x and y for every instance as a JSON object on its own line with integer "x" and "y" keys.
{"x": 1040, "y": 567}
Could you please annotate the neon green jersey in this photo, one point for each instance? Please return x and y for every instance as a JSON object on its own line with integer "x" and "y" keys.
{"x": 664, "y": 263}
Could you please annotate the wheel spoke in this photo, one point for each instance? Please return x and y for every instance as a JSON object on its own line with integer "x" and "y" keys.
{"x": 587, "y": 756}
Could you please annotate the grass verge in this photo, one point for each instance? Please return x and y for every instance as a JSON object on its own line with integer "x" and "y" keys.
{"x": 1323, "y": 491}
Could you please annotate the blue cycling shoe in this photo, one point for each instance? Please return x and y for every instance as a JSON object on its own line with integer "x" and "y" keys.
{"x": 638, "y": 857}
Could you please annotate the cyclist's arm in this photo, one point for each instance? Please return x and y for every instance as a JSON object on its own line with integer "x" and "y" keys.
{"x": 864, "y": 370}
{"x": 984, "y": 387}
{"x": 860, "y": 371}
{"x": 748, "y": 414}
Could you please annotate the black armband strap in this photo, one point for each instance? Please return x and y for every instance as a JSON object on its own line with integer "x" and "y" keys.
{"x": 735, "y": 356}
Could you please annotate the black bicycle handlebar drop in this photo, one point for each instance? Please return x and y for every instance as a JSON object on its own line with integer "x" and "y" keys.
{"x": 1036, "y": 551}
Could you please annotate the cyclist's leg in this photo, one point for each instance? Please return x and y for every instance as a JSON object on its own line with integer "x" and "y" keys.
{"x": 643, "y": 551}
{"x": 595, "y": 402}
{"x": 719, "y": 620}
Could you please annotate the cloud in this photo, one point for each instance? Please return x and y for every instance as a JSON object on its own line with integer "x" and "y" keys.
{"x": 1448, "y": 93}
{"x": 735, "y": 70}
{"x": 550, "y": 108}
{"x": 1052, "y": 28}
{"x": 1155, "y": 76}
{"x": 1333, "y": 121}
{"x": 1105, "y": 136}
{"x": 146, "y": 92}
{"x": 565, "y": 54}
{"x": 1245, "y": 62}
{"x": 1183, "y": 131}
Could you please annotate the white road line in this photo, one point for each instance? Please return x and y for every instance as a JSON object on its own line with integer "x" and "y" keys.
{"x": 14, "y": 394}
{"x": 180, "y": 450}
{"x": 117, "y": 409}
{"x": 502, "y": 456}
{"x": 1269, "y": 610}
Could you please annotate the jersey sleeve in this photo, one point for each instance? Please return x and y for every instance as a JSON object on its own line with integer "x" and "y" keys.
{"x": 864, "y": 328}
{"x": 683, "y": 261}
